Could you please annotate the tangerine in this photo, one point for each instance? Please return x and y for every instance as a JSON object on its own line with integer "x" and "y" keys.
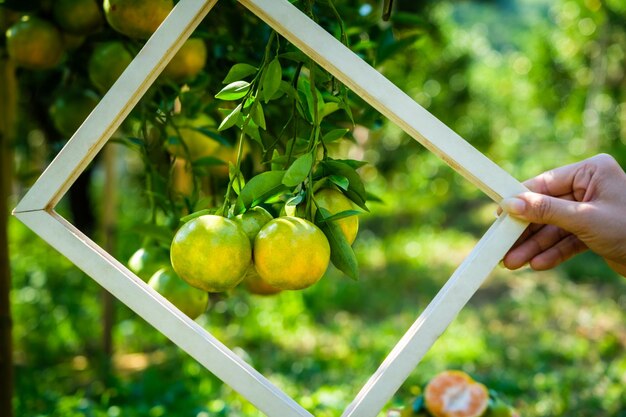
{"x": 251, "y": 222}
{"x": 335, "y": 202}
{"x": 136, "y": 18}
{"x": 191, "y": 301}
{"x": 211, "y": 253}
{"x": 70, "y": 109}
{"x": 78, "y": 17}
{"x": 34, "y": 43}
{"x": 146, "y": 261}
{"x": 291, "y": 253}
{"x": 106, "y": 63}
{"x": 188, "y": 61}
{"x": 455, "y": 394}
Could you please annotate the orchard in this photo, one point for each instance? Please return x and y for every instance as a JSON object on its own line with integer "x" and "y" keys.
{"x": 277, "y": 209}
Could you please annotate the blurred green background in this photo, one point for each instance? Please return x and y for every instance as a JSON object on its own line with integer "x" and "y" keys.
{"x": 531, "y": 83}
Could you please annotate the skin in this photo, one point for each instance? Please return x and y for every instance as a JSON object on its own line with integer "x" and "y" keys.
{"x": 572, "y": 209}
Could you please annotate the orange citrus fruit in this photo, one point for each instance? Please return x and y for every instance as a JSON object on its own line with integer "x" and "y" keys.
{"x": 455, "y": 394}
{"x": 137, "y": 18}
{"x": 106, "y": 63}
{"x": 251, "y": 222}
{"x": 34, "y": 43}
{"x": 70, "y": 109}
{"x": 78, "y": 17}
{"x": 335, "y": 202}
{"x": 291, "y": 253}
{"x": 188, "y": 61}
{"x": 191, "y": 301}
{"x": 147, "y": 260}
{"x": 211, "y": 253}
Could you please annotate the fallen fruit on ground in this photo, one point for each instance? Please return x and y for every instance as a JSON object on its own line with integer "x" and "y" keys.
{"x": 455, "y": 394}
{"x": 335, "y": 202}
{"x": 191, "y": 301}
{"x": 211, "y": 253}
{"x": 291, "y": 253}
{"x": 136, "y": 18}
{"x": 34, "y": 43}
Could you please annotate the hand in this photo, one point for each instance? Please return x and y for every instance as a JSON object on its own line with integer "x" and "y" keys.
{"x": 571, "y": 209}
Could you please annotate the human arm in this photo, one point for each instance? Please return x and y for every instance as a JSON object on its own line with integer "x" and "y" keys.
{"x": 571, "y": 209}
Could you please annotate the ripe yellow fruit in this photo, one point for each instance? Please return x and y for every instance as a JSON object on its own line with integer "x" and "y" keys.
{"x": 107, "y": 62}
{"x": 34, "y": 43}
{"x": 211, "y": 253}
{"x": 137, "y": 18}
{"x": 335, "y": 202}
{"x": 291, "y": 253}
{"x": 78, "y": 17}
{"x": 188, "y": 61}
{"x": 455, "y": 394}
{"x": 191, "y": 301}
{"x": 251, "y": 222}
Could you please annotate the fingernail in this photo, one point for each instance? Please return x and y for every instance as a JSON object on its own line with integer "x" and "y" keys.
{"x": 513, "y": 205}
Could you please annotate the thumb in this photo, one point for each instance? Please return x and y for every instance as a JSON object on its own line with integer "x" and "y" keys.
{"x": 543, "y": 209}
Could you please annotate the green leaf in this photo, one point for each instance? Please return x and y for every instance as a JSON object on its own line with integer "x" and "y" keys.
{"x": 238, "y": 181}
{"x": 252, "y": 130}
{"x": 341, "y": 253}
{"x": 335, "y": 134}
{"x": 356, "y": 189}
{"x": 341, "y": 215}
{"x": 258, "y": 116}
{"x": 340, "y": 181}
{"x": 258, "y": 189}
{"x": 238, "y": 72}
{"x": 352, "y": 162}
{"x": 299, "y": 170}
{"x": 196, "y": 214}
{"x": 329, "y": 108}
{"x": 206, "y": 161}
{"x": 211, "y": 134}
{"x": 273, "y": 77}
{"x": 278, "y": 160}
{"x": 231, "y": 119}
{"x": 234, "y": 91}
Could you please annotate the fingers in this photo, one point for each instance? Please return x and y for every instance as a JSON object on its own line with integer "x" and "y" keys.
{"x": 531, "y": 244}
{"x": 545, "y": 249}
{"x": 543, "y": 209}
{"x": 558, "y": 253}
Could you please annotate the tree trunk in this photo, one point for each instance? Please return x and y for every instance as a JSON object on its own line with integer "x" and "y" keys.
{"x": 8, "y": 103}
